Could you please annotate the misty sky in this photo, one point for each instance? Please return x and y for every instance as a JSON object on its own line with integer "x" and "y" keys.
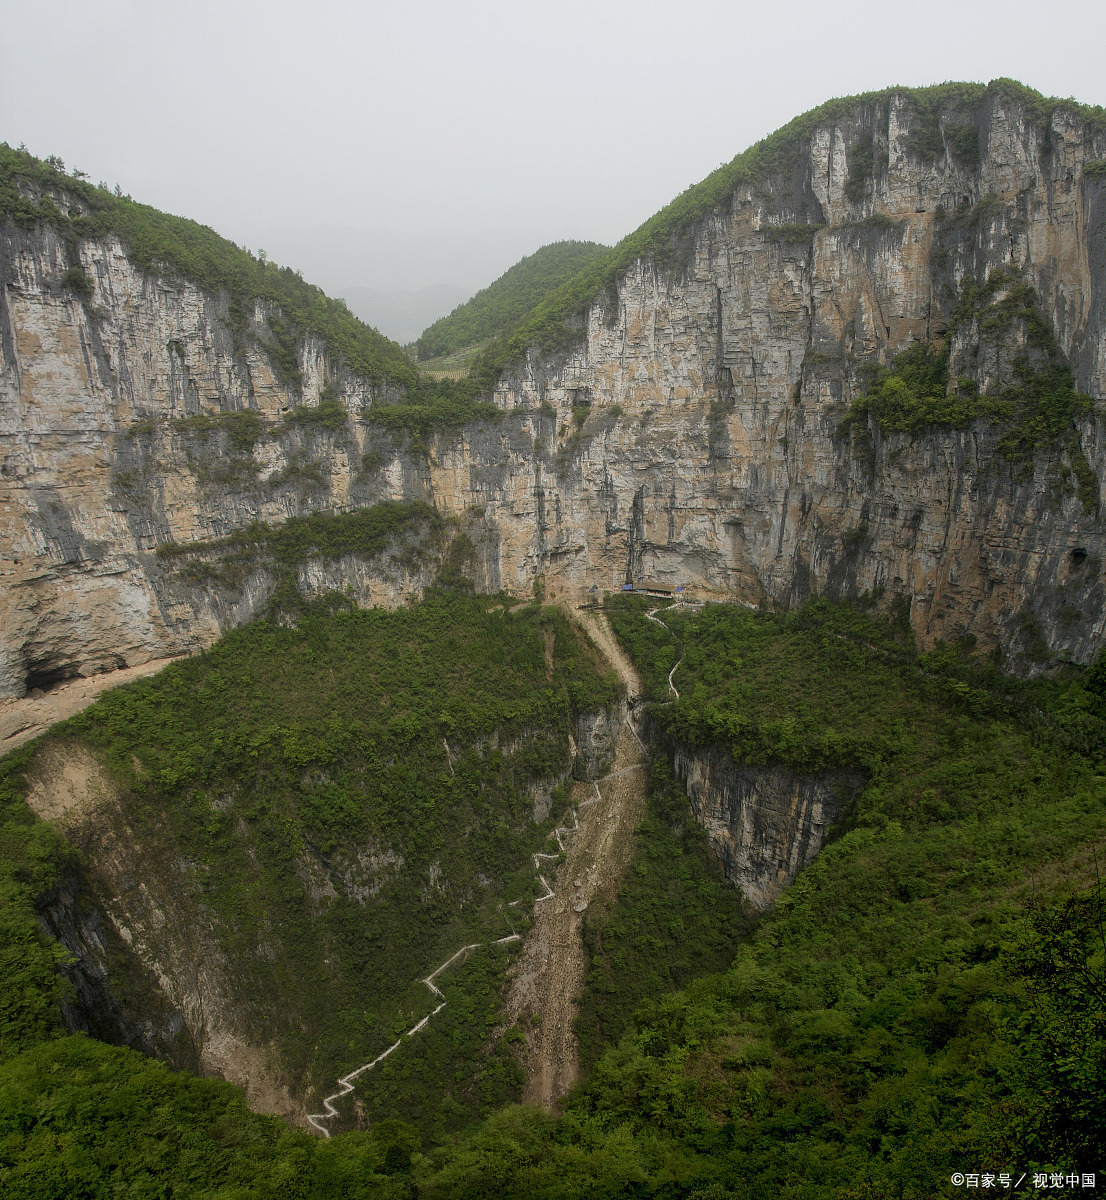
{"x": 401, "y": 145}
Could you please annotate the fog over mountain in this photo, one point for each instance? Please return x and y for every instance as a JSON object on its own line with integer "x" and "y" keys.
{"x": 395, "y": 147}
{"x": 402, "y": 315}
{"x": 398, "y": 281}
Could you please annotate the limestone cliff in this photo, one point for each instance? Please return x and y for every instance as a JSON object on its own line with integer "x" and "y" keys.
{"x": 764, "y": 823}
{"x": 689, "y": 431}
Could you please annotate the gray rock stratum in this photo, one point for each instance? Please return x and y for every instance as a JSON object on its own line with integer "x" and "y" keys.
{"x": 687, "y": 431}
{"x": 765, "y": 823}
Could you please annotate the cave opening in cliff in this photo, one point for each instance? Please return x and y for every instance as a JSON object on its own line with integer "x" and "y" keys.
{"x": 44, "y": 675}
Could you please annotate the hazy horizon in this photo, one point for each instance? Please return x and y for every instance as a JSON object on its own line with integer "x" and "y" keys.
{"x": 404, "y": 313}
{"x": 401, "y": 148}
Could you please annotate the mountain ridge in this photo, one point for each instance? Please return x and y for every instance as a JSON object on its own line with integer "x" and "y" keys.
{"x": 506, "y": 301}
{"x": 749, "y": 349}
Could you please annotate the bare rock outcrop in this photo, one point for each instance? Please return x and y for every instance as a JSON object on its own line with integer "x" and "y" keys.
{"x": 690, "y": 433}
{"x": 765, "y": 823}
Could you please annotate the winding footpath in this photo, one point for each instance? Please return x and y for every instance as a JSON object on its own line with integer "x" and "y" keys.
{"x": 346, "y": 1084}
{"x": 546, "y": 980}
{"x": 650, "y": 616}
{"x": 547, "y": 977}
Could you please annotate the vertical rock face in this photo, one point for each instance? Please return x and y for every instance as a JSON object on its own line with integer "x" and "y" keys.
{"x": 112, "y": 997}
{"x": 691, "y": 434}
{"x": 765, "y": 823}
{"x": 111, "y": 445}
{"x": 724, "y": 468}
{"x": 597, "y": 737}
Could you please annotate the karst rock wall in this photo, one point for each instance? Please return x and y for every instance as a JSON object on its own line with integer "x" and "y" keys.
{"x": 765, "y": 823}
{"x": 690, "y": 433}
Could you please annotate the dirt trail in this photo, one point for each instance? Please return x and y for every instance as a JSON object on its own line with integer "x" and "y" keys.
{"x": 603, "y": 636}
{"x": 547, "y": 979}
{"x": 21, "y": 720}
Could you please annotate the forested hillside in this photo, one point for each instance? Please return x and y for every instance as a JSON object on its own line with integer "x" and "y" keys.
{"x": 331, "y": 811}
{"x": 505, "y": 303}
{"x": 928, "y": 998}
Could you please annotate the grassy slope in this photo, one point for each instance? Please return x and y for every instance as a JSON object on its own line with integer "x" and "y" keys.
{"x": 282, "y": 746}
{"x": 901, "y": 1014}
{"x": 502, "y": 305}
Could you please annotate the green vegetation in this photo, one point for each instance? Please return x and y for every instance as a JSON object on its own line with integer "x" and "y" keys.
{"x": 33, "y": 192}
{"x": 330, "y": 414}
{"x": 1038, "y": 387}
{"x": 429, "y": 406}
{"x": 410, "y": 530}
{"x": 862, "y": 161}
{"x": 31, "y": 858}
{"x": 1095, "y": 168}
{"x": 792, "y": 232}
{"x": 928, "y": 997}
{"x": 912, "y": 395}
{"x": 218, "y": 448}
{"x": 286, "y": 755}
{"x": 503, "y": 304}
{"x": 963, "y": 144}
{"x": 770, "y": 688}
{"x": 459, "y": 1049}
{"x": 1036, "y": 403}
{"x": 928, "y": 141}
{"x": 243, "y": 429}
{"x": 85, "y": 1121}
{"x": 454, "y": 365}
{"x": 676, "y": 919}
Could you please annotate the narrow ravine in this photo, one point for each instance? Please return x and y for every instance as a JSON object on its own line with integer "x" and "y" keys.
{"x": 548, "y": 977}
{"x": 572, "y": 856}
